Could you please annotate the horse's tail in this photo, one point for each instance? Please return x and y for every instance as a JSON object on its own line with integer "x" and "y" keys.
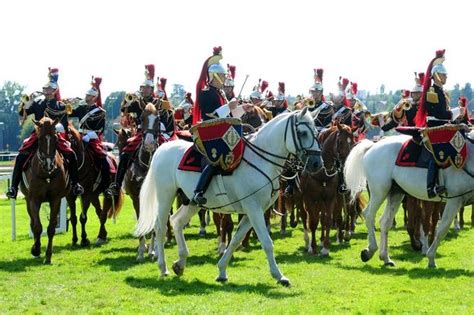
{"x": 148, "y": 209}
{"x": 353, "y": 170}
{"x": 113, "y": 207}
{"x": 360, "y": 204}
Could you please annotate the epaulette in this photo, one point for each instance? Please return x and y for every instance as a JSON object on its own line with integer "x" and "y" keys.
{"x": 432, "y": 96}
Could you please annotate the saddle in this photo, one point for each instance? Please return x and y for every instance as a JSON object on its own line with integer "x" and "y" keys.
{"x": 447, "y": 144}
{"x": 192, "y": 161}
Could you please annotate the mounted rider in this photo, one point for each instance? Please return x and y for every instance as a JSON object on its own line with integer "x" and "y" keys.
{"x": 91, "y": 117}
{"x": 434, "y": 111}
{"x": 135, "y": 105}
{"x": 229, "y": 83}
{"x": 341, "y": 104}
{"x": 210, "y": 104}
{"x": 50, "y": 106}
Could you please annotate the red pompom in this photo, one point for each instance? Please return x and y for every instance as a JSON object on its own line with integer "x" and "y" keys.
{"x": 97, "y": 82}
{"x": 440, "y": 53}
{"x": 354, "y": 88}
{"x": 345, "y": 82}
{"x": 406, "y": 93}
{"x": 188, "y": 98}
{"x": 421, "y": 77}
{"x": 217, "y": 50}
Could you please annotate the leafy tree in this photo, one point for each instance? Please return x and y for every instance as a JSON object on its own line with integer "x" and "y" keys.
{"x": 454, "y": 95}
{"x": 178, "y": 95}
{"x": 467, "y": 91}
{"x": 10, "y": 94}
{"x": 112, "y": 106}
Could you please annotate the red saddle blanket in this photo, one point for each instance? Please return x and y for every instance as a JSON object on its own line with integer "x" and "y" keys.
{"x": 409, "y": 154}
{"x": 191, "y": 160}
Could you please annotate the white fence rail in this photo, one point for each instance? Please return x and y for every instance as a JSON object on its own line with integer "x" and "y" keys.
{"x": 5, "y": 175}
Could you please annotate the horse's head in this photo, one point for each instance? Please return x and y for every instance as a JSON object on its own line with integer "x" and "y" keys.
{"x": 151, "y": 127}
{"x": 304, "y": 141}
{"x": 343, "y": 141}
{"x": 47, "y": 140}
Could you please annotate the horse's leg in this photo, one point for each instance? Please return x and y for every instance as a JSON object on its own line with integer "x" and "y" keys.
{"x": 437, "y": 207}
{"x": 85, "y": 202}
{"x": 229, "y": 227}
{"x": 410, "y": 211}
{"x": 258, "y": 222}
{"x": 33, "y": 207}
{"x": 426, "y": 211}
{"x": 178, "y": 221}
{"x": 282, "y": 210}
{"x": 202, "y": 221}
{"x": 450, "y": 211}
{"x": 242, "y": 229}
{"x": 312, "y": 216}
{"x": 164, "y": 206}
{"x": 290, "y": 207}
{"x": 102, "y": 215}
{"x": 304, "y": 221}
{"x": 461, "y": 218}
{"x": 329, "y": 206}
{"x": 267, "y": 215}
{"x": 71, "y": 201}
{"x": 393, "y": 203}
{"x": 218, "y": 218}
{"x": 472, "y": 215}
{"x": 340, "y": 225}
{"x": 54, "y": 204}
{"x": 377, "y": 196}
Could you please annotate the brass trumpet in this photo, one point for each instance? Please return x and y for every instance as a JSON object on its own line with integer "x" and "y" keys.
{"x": 309, "y": 102}
{"x": 131, "y": 97}
{"x": 26, "y": 99}
{"x": 71, "y": 103}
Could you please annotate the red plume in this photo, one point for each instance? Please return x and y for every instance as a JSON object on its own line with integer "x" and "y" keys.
{"x": 421, "y": 77}
{"x": 163, "y": 83}
{"x": 405, "y": 93}
{"x": 150, "y": 69}
{"x": 345, "y": 82}
{"x": 232, "y": 71}
{"x": 269, "y": 95}
{"x": 97, "y": 82}
{"x": 354, "y": 88}
{"x": 462, "y": 101}
{"x": 281, "y": 87}
{"x": 319, "y": 74}
{"x": 420, "y": 118}
{"x": 216, "y": 50}
{"x": 264, "y": 86}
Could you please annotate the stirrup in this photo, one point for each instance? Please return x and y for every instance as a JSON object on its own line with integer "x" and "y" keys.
{"x": 77, "y": 189}
{"x": 439, "y": 190}
{"x": 12, "y": 192}
{"x": 113, "y": 190}
{"x": 199, "y": 199}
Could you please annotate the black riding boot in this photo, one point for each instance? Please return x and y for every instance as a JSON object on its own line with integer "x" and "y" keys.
{"x": 432, "y": 188}
{"x": 105, "y": 170}
{"x": 202, "y": 184}
{"x": 72, "y": 168}
{"x": 16, "y": 175}
{"x": 114, "y": 188}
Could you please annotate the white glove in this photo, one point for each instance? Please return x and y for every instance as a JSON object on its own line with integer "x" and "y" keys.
{"x": 86, "y": 138}
{"x": 90, "y": 136}
{"x": 59, "y": 128}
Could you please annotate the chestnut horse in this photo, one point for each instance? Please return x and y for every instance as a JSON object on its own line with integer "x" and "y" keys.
{"x": 89, "y": 178}
{"x": 320, "y": 191}
{"x": 44, "y": 180}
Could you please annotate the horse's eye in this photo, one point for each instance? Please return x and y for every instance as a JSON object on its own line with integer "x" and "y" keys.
{"x": 302, "y": 134}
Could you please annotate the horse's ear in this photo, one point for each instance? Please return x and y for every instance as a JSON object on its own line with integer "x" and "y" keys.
{"x": 304, "y": 111}
{"x": 338, "y": 125}
{"x": 315, "y": 112}
{"x": 116, "y": 131}
{"x": 37, "y": 123}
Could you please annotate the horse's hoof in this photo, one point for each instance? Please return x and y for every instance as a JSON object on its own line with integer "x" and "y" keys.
{"x": 35, "y": 251}
{"x": 164, "y": 275}
{"x": 324, "y": 252}
{"x": 100, "y": 241}
{"x": 85, "y": 242}
{"x": 221, "y": 279}
{"x": 432, "y": 266}
{"x": 365, "y": 255}
{"x": 140, "y": 259}
{"x": 416, "y": 246}
{"x": 178, "y": 270}
{"x": 389, "y": 264}
{"x": 293, "y": 224}
{"x": 47, "y": 261}
{"x": 202, "y": 233}
{"x": 284, "y": 281}
{"x": 74, "y": 242}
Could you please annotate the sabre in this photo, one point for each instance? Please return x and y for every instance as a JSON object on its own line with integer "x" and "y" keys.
{"x": 245, "y": 81}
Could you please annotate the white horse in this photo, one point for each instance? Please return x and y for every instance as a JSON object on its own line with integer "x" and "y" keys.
{"x": 374, "y": 164}
{"x": 251, "y": 189}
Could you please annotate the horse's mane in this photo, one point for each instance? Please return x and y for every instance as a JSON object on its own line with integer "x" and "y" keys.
{"x": 323, "y": 136}
{"x": 76, "y": 136}
{"x": 151, "y": 108}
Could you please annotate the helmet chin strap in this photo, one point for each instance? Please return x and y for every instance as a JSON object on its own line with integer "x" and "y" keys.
{"x": 215, "y": 76}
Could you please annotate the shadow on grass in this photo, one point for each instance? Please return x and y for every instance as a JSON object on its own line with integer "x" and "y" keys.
{"x": 415, "y": 273}
{"x": 21, "y": 264}
{"x": 121, "y": 263}
{"x": 177, "y": 286}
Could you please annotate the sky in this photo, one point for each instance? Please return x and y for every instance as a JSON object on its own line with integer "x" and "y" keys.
{"x": 369, "y": 42}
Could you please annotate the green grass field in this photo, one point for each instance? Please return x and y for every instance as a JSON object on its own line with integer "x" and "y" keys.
{"x": 107, "y": 279}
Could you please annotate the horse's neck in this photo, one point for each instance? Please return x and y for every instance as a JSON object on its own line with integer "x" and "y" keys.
{"x": 327, "y": 152}
{"x": 271, "y": 138}
{"x": 144, "y": 159}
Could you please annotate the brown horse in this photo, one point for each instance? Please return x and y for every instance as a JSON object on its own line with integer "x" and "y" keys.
{"x": 89, "y": 178}
{"x": 139, "y": 167}
{"x": 44, "y": 180}
{"x": 320, "y": 192}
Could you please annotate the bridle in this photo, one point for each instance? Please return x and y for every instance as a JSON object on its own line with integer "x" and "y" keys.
{"x": 47, "y": 161}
